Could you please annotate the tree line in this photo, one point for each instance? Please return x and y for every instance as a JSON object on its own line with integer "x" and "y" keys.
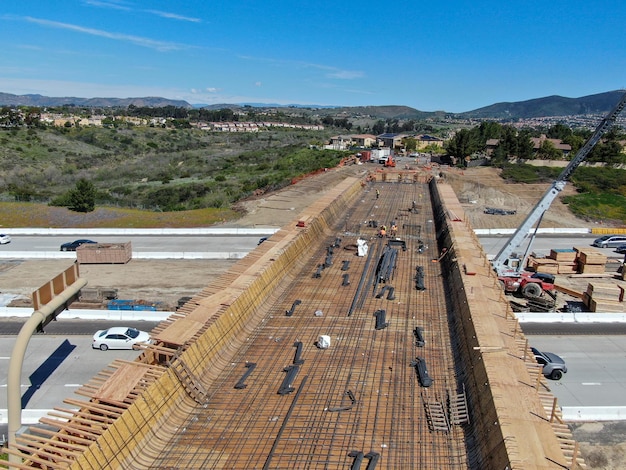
{"x": 517, "y": 144}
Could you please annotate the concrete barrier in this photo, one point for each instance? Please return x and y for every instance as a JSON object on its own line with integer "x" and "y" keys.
{"x": 594, "y": 413}
{"x": 542, "y": 231}
{"x": 29, "y": 416}
{"x": 570, "y": 317}
{"x": 92, "y": 314}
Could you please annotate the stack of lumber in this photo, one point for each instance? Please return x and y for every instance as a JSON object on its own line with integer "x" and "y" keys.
{"x": 543, "y": 265}
{"x": 562, "y": 261}
{"x": 590, "y": 261}
{"x": 604, "y": 297}
{"x": 566, "y": 259}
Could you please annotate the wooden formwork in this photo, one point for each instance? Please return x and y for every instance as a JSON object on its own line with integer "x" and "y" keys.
{"x": 237, "y": 380}
{"x": 505, "y": 385}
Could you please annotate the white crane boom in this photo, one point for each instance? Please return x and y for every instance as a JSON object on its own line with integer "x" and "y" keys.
{"x": 535, "y": 215}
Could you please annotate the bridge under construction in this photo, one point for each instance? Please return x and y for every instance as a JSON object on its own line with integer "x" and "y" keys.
{"x": 328, "y": 346}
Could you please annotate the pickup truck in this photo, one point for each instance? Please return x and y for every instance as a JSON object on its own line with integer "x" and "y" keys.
{"x": 553, "y": 366}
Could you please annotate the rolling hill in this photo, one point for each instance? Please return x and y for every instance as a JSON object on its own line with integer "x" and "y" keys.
{"x": 600, "y": 103}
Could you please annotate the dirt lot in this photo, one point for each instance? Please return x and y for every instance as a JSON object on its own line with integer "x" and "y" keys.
{"x": 479, "y": 188}
{"x": 602, "y": 444}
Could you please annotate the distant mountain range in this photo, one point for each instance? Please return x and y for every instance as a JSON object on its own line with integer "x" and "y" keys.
{"x": 600, "y": 103}
{"x": 7, "y": 99}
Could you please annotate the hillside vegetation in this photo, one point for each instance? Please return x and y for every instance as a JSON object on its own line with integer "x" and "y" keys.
{"x": 153, "y": 168}
{"x": 601, "y": 190}
{"x": 182, "y": 176}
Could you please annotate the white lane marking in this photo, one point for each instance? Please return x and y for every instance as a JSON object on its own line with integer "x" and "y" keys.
{"x": 591, "y": 383}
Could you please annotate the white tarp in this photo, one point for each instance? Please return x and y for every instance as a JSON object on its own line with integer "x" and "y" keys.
{"x": 361, "y": 247}
{"x": 323, "y": 342}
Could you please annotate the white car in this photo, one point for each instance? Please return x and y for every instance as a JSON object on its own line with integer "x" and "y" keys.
{"x": 119, "y": 337}
{"x": 4, "y": 239}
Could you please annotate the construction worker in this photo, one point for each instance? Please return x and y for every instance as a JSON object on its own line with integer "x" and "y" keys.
{"x": 394, "y": 230}
{"x": 377, "y": 194}
{"x": 383, "y": 231}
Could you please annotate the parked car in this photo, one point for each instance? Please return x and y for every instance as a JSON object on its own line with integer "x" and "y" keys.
{"x": 553, "y": 366}
{"x": 621, "y": 249}
{"x": 71, "y": 246}
{"x": 495, "y": 211}
{"x": 610, "y": 241}
{"x": 119, "y": 337}
{"x": 4, "y": 239}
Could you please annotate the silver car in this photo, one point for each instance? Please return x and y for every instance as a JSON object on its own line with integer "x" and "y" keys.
{"x": 610, "y": 241}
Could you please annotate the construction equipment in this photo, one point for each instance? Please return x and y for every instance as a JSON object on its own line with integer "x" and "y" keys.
{"x": 510, "y": 268}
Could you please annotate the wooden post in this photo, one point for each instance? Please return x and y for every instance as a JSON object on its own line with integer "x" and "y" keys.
{"x": 553, "y": 412}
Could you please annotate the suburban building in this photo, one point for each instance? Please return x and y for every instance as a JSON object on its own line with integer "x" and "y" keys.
{"x": 391, "y": 140}
{"x": 425, "y": 140}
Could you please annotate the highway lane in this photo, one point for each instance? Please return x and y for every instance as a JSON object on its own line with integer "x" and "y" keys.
{"x": 61, "y": 359}
{"x": 55, "y": 367}
{"x": 244, "y": 243}
{"x": 594, "y": 385}
{"x": 544, "y": 243}
{"x": 69, "y": 327}
{"x": 152, "y": 243}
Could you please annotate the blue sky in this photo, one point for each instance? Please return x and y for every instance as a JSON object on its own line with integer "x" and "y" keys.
{"x": 447, "y": 55}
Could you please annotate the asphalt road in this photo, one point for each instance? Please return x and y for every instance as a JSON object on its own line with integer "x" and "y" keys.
{"x": 596, "y": 377}
{"x": 58, "y": 363}
{"x": 77, "y": 327}
{"x": 154, "y": 243}
{"x": 544, "y": 243}
{"x": 69, "y": 327}
{"x": 244, "y": 243}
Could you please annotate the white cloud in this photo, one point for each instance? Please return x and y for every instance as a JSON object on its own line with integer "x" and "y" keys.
{"x": 111, "y": 4}
{"x": 345, "y": 74}
{"x": 138, "y": 40}
{"x": 173, "y": 16}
